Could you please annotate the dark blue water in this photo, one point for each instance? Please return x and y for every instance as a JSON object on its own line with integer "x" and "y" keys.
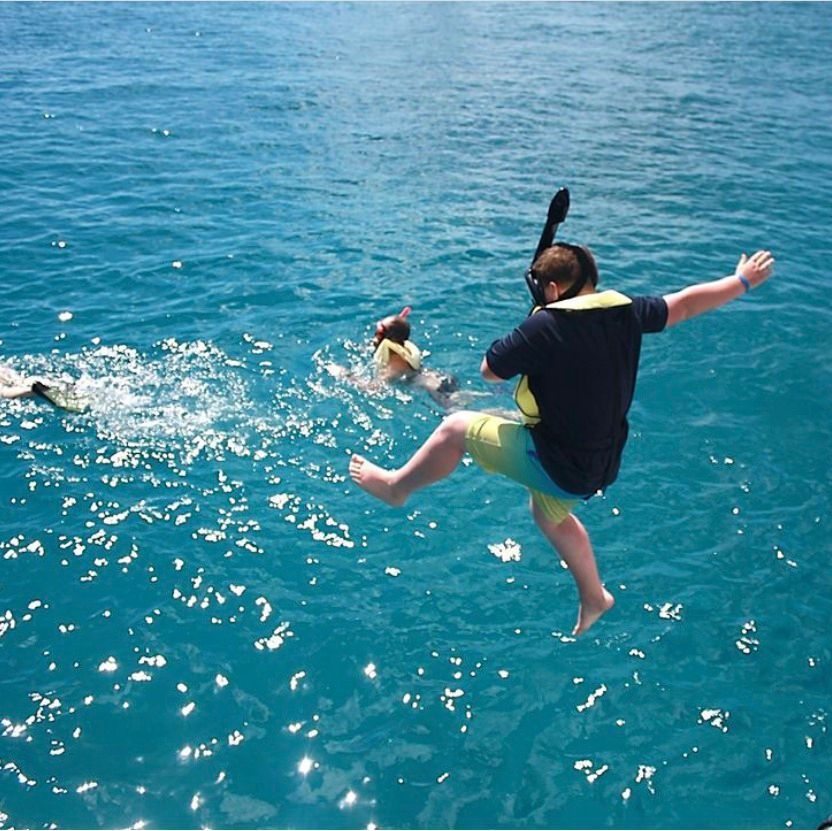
{"x": 202, "y": 623}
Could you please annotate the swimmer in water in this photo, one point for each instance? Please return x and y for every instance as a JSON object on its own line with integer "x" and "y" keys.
{"x": 577, "y": 356}
{"x": 397, "y": 358}
{"x": 62, "y": 395}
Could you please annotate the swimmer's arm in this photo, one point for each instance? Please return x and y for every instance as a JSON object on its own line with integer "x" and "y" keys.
{"x": 359, "y": 382}
{"x": 703, "y": 297}
{"x": 363, "y": 384}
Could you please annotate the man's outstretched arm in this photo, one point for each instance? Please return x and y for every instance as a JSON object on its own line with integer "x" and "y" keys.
{"x": 703, "y": 297}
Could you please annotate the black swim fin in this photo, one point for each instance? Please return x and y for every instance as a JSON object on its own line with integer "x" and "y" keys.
{"x": 63, "y": 397}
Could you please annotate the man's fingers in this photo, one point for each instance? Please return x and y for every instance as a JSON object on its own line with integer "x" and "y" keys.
{"x": 762, "y": 261}
{"x": 765, "y": 265}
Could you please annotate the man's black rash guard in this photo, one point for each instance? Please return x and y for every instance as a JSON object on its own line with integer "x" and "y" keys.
{"x": 581, "y": 366}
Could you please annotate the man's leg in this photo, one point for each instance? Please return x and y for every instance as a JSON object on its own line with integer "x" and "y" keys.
{"x": 434, "y": 460}
{"x": 571, "y": 542}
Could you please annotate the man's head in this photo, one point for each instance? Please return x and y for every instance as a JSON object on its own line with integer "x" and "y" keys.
{"x": 394, "y": 327}
{"x": 564, "y": 270}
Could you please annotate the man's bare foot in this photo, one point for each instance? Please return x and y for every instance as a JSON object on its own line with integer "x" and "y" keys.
{"x": 588, "y": 614}
{"x": 375, "y": 480}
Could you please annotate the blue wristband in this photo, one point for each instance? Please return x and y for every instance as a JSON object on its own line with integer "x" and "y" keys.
{"x": 744, "y": 280}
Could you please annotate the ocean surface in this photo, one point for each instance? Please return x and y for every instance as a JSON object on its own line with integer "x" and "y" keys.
{"x": 203, "y": 623}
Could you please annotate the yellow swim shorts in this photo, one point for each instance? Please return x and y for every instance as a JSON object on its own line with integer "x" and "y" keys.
{"x": 502, "y": 446}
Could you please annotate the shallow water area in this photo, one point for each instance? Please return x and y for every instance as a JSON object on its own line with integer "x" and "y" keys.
{"x": 203, "y": 623}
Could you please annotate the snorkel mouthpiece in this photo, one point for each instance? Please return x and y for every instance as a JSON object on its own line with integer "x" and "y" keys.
{"x": 535, "y": 287}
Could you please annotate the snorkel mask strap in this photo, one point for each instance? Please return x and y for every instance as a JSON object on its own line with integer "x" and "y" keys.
{"x": 534, "y": 287}
{"x": 589, "y": 272}
{"x": 558, "y": 208}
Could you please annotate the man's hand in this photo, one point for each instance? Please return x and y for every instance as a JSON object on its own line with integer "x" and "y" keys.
{"x": 757, "y": 268}
{"x": 488, "y": 374}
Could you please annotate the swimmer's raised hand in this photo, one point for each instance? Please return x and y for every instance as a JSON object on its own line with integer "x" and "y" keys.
{"x": 757, "y": 268}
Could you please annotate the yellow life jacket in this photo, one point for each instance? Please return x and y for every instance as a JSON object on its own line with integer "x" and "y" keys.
{"x": 408, "y": 351}
{"x": 523, "y": 396}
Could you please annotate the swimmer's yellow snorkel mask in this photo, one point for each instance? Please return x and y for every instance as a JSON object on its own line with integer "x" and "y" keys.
{"x": 385, "y": 346}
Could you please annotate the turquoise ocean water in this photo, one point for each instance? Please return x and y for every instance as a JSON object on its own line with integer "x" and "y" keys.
{"x": 202, "y": 623}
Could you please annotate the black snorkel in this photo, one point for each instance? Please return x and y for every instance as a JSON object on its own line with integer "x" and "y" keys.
{"x": 558, "y": 208}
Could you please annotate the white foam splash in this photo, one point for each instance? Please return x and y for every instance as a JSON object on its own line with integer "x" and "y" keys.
{"x": 507, "y": 551}
{"x": 593, "y": 697}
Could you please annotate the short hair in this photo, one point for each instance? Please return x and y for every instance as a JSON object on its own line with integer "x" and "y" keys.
{"x": 557, "y": 264}
{"x": 397, "y": 330}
